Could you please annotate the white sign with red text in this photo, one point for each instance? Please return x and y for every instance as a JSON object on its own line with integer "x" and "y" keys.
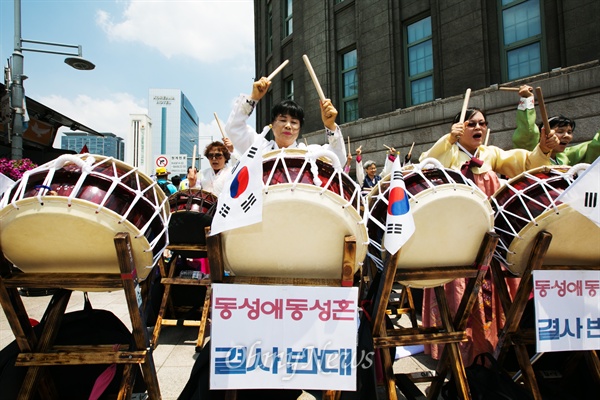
{"x": 567, "y": 310}
{"x": 283, "y": 337}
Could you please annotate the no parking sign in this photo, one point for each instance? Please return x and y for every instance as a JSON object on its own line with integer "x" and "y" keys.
{"x": 175, "y": 164}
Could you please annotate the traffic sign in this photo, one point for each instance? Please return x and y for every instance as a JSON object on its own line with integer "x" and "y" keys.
{"x": 175, "y": 164}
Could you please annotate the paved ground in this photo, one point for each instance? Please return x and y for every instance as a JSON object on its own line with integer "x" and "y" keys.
{"x": 175, "y": 353}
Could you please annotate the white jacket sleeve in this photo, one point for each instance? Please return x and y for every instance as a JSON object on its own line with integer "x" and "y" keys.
{"x": 336, "y": 144}
{"x": 360, "y": 172}
{"x": 241, "y": 134}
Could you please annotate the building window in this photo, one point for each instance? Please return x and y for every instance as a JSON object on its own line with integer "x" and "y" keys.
{"x": 349, "y": 89}
{"x": 419, "y": 55}
{"x": 269, "y": 43}
{"x": 522, "y": 34}
{"x": 287, "y": 18}
{"x": 289, "y": 89}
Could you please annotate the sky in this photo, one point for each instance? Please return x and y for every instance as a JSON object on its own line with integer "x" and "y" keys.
{"x": 204, "y": 48}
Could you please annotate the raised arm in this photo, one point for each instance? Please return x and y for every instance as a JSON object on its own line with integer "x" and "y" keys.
{"x": 526, "y": 135}
{"x": 335, "y": 140}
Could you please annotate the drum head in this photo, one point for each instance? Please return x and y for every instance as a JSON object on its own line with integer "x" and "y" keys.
{"x": 301, "y": 236}
{"x": 68, "y": 239}
{"x": 575, "y": 240}
{"x": 450, "y": 223}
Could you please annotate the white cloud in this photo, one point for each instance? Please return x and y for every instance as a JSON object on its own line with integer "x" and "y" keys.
{"x": 102, "y": 115}
{"x": 209, "y": 31}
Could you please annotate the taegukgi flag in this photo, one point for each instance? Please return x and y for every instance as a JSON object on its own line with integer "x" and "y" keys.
{"x": 582, "y": 195}
{"x": 240, "y": 203}
{"x": 399, "y": 225}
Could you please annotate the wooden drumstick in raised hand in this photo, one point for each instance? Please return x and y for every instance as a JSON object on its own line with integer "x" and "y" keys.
{"x": 540, "y": 97}
{"x": 409, "y": 154}
{"x": 311, "y": 72}
{"x": 487, "y": 137}
{"x": 463, "y": 112}
{"x": 194, "y": 158}
{"x": 509, "y": 89}
{"x": 277, "y": 70}
{"x": 220, "y": 126}
{"x": 349, "y": 145}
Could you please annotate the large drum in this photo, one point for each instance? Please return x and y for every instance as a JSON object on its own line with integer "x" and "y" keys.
{"x": 309, "y": 206}
{"x": 451, "y": 218}
{"x": 527, "y": 205}
{"x": 62, "y": 216}
{"x": 192, "y": 210}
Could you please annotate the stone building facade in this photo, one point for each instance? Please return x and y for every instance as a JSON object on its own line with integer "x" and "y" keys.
{"x": 397, "y": 71}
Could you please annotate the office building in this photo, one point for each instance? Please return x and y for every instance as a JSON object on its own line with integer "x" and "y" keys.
{"x": 139, "y": 143}
{"x": 108, "y": 144}
{"x": 397, "y": 71}
{"x": 175, "y": 124}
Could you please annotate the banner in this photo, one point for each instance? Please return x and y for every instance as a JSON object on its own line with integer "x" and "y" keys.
{"x": 567, "y": 310}
{"x": 283, "y": 337}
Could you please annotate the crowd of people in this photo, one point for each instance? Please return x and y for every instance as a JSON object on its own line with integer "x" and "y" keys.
{"x": 463, "y": 149}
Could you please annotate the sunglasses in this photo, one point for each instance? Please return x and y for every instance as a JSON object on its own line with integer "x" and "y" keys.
{"x": 214, "y": 155}
{"x": 473, "y": 124}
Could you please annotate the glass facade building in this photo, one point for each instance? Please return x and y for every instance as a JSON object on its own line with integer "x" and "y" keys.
{"x": 175, "y": 124}
{"x": 109, "y": 145}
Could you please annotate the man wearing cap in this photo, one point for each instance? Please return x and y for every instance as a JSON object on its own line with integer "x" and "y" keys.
{"x": 163, "y": 181}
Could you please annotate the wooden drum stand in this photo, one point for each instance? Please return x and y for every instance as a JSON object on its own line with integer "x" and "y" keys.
{"x": 38, "y": 353}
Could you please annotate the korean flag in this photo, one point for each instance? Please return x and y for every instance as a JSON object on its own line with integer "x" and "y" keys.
{"x": 582, "y": 195}
{"x": 399, "y": 225}
{"x": 240, "y": 202}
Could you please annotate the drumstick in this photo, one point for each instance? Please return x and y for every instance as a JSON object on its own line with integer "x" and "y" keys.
{"x": 538, "y": 93}
{"x": 305, "y": 142}
{"x": 411, "y": 149}
{"x": 283, "y": 64}
{"x": 509, "y": 89}
{"x": 387, "y": 147}
{"x": 487, "y": 137}
{"x": 349, "y": 145}
{"x": 194, "y": 158}
{"x": 465, "y": 105}
{"x": 311, "y": 72}
{"x": 220, "y": 126}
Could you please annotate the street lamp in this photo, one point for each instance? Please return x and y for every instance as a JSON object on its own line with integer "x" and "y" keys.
{"x": 16, "y": 85}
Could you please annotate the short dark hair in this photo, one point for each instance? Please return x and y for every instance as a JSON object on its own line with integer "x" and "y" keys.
{"x": 218, "y": 146}
{"x": 288, "y": 107}
{"x": 559, "y": 121}
{"x": 470, "y": 112}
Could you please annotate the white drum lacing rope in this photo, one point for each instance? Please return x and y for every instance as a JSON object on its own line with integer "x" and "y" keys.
{"x": 527, "y": 200}
{"x": 376, "y": 260}
{"x": 501, "y": 211}
{"x": 85, "y": 165}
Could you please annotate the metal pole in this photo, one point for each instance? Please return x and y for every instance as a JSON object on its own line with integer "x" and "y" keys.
{"x": 17, "y": 90}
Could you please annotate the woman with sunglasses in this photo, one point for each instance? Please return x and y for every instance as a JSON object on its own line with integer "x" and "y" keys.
{"x": 214, "y": 177}
{"x": 527, "y": 134}
{"x": 287, "y": 118}
{"x": 462, "y": 149}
